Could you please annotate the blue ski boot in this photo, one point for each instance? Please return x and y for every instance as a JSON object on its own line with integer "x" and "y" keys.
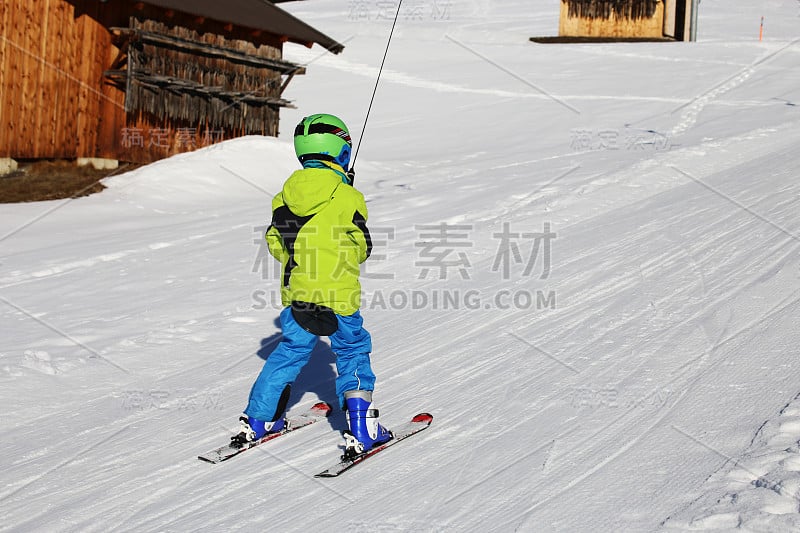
{"x": 365, "y": 431}
{"x": 252, "y": 429}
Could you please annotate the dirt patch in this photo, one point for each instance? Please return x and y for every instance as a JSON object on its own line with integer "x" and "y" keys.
{"x": 35, "y": 181}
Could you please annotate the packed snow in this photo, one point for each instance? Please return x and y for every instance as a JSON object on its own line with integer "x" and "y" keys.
{"x": 586, "y": 268}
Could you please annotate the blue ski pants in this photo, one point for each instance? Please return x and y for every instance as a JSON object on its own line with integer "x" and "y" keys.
{"x": 351, "y": 343}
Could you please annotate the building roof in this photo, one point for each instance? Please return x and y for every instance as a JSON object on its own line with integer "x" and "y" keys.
{"x": 255, "y": 14}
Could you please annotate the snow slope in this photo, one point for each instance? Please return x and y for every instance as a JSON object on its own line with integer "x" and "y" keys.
{"x": 643, "y": 377}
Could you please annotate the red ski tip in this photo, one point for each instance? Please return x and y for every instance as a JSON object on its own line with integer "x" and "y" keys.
{"x": 423, "y": 417}
{"x": 322, "y": 407}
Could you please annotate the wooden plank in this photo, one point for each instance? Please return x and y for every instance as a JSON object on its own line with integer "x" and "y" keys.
{"x": 40, "y": 95}
{"x": 18, "y": 64}
{"x": 4, "y": 90}
{"x": 13, "y": 61}
{"x": 179, "y": 85}
{"x": 64, "y": 57}
{"x": 98, "y": 53}
{"x": 47, "y": 138}
{"x": 53, "y": 53}
{"x": 112, "y": 112}
{"x": 27, "y": 94}
{"x": 209, "y": 50}
{"x": 64, "y": 93}
{"x": 81, "y": 122}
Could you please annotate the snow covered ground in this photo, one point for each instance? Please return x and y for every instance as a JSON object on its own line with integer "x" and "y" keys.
{"x": 610, "y": 344}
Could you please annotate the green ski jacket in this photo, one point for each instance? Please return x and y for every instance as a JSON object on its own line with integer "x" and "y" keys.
{"x": 319, "y": 234}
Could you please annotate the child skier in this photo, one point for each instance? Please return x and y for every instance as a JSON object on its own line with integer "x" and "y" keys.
{"x": 320, "y": 236}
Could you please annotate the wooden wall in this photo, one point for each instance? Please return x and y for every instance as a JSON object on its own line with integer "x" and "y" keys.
{"x": 170, "y": 120}
{"x": 611, "y": 25}
{"x": 53, "y": 102}
{"x": 56, "y": 102}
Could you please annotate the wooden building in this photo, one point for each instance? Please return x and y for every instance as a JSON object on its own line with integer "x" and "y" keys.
{"x": 139, "y": 81}
{"x": 626, "y": 19}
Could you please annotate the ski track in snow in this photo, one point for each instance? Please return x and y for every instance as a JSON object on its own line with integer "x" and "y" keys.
{"x": 660, "y": 392}
{"x": 758, "y": 490}
{"x": 409, "y": 80}
{"x": 619, "y": 360}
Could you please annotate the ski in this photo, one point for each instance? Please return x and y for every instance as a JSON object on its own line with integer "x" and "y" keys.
{"x": 412, "y": 427}
{"x": 316, "y": 413}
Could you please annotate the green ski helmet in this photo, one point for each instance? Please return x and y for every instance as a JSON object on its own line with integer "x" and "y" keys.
{"x": 323, "y": 137}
